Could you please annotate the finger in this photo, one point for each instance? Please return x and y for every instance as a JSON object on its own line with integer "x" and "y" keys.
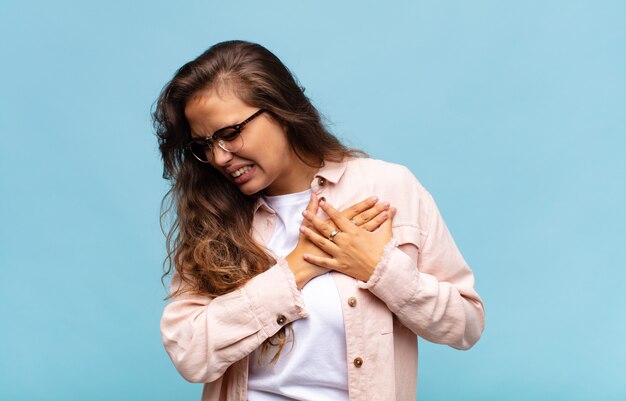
{"x": 324, "y": 227}
{"x": 340, "y": 221}
{"x": 388, "y": 224}
{"x": 312, "y": 206}
{"x": 371, "y": 213}
{"x": 322, "y": 243}
{"x": 328, "y": 263}
{"x": 376, "y": 222}
{"x": 360, "y": 207}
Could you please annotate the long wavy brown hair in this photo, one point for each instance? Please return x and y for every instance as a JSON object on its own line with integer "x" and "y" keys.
{"x": 206, "y": 218}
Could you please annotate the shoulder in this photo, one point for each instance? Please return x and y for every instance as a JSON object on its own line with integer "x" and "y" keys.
{"x": 367, "y": 164}
{"x": 384, "y": 175}
{"x": 355, "y": 179}
{"x": 393, "y": 183}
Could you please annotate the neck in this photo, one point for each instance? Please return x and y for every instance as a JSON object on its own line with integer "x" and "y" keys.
{"x": 297, "y": 179}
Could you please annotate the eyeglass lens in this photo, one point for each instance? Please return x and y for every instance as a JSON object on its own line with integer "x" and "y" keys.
{"x": 228, "y": 139}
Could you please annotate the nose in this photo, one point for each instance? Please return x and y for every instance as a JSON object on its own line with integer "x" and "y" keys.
{"x": 220, "y": 156}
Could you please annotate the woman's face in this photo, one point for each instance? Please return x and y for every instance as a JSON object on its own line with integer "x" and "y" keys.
{"x": 265, "y": 162}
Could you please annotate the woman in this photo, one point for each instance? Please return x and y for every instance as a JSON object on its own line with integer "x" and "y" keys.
{"x": 291, "y": 280}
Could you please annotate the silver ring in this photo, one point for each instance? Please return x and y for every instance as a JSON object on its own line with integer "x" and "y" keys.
{"x": 332, "y": 235}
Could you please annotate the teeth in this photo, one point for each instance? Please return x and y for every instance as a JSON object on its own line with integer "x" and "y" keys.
{"x": 242, "y": 170}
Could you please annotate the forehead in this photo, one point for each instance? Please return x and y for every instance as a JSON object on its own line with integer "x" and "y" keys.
{"x": 209, "y": 110}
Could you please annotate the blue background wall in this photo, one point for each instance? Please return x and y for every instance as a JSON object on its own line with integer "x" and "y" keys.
{"x": 510, "y": 112}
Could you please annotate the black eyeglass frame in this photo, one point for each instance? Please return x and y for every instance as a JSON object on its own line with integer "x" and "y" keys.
{"x": 208, "y": 141}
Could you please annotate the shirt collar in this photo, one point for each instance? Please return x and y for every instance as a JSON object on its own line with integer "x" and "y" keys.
{"x": 261, "y": 204}
{"x": 332, "y": 171}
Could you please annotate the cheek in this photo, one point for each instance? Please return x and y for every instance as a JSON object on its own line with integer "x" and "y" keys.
{"x": 271, "y": 151}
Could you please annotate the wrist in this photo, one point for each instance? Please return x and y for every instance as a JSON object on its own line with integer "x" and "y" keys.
{"x": 295, "y": 265}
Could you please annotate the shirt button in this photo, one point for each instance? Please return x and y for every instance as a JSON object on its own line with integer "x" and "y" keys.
{"x": 358, "y": 362}
{"x": 352, "y": 301}
{"x": 321, "y": 181}
{"x": 281, "y": 319}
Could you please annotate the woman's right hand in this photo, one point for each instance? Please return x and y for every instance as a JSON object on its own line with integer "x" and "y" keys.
{"x": 366, "y": 214}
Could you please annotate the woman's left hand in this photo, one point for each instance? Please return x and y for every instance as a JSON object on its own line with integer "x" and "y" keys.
{"x": 353, "y": 250}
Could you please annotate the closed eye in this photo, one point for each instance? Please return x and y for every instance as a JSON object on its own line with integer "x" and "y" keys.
{"x": 201, "y": 142}
{"x": 227, "y": 134}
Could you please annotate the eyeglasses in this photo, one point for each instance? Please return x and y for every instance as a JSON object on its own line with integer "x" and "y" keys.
{"x": 228, "y": 138}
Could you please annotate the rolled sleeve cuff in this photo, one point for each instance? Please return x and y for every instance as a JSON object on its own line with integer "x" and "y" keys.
{"x": 275, "y": 298}
{"x": 394, "y": 277}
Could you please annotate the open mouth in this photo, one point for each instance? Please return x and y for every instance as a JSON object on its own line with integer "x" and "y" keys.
{"x": 243, "y": 174}
{"x": 241, "y": 171}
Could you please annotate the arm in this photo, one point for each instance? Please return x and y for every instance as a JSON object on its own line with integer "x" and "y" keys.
{"x": 430, "y": 290}
{"x": 204, "y": 336}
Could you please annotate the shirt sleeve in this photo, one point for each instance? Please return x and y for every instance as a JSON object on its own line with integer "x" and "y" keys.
{"x": 204, "y": 336}
{"x": 424, "y": 280}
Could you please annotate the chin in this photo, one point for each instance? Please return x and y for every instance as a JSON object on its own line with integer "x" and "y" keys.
{"x": 250, "y": 189}
{"x": 247, "y": 193}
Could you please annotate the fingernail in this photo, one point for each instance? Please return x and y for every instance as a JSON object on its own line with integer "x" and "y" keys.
{"x": 374, "y": 198}
{"x": 385, "y": 204}
{"x": 305, "y": 213}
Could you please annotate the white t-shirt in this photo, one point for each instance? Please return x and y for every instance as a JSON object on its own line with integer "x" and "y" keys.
{"x": 312, "y": 365}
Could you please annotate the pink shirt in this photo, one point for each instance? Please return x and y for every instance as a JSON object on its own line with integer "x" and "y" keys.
{"x": 421, "y": 287}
